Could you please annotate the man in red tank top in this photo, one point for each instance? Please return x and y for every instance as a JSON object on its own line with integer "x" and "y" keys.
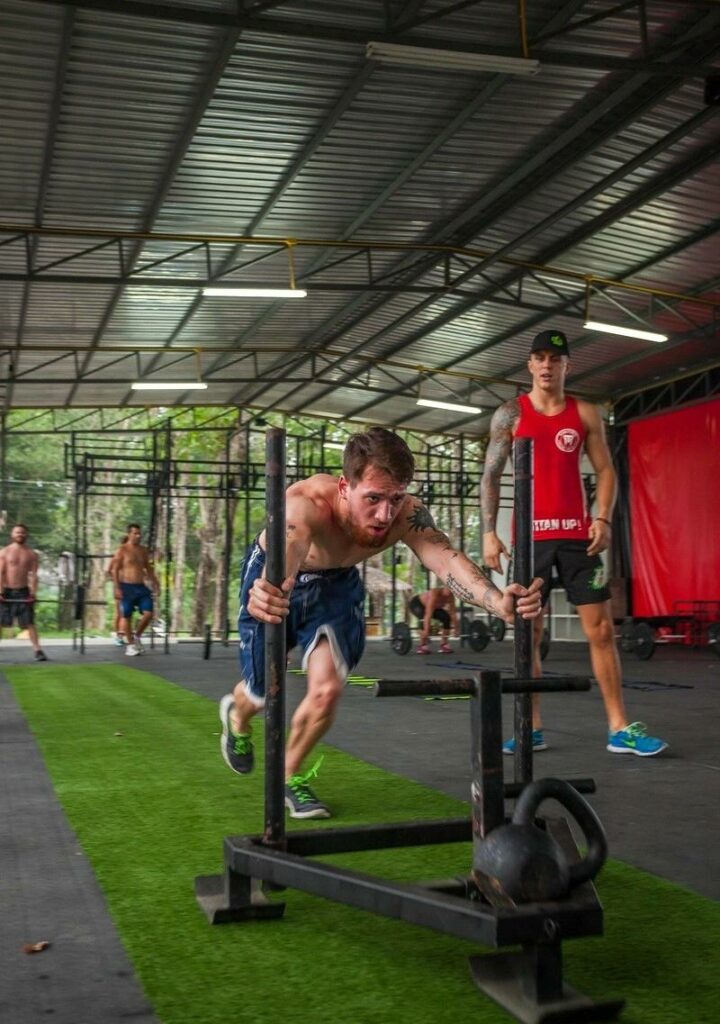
{"x": 564, "y": 534}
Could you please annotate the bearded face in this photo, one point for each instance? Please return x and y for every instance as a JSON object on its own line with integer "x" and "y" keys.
{"x": 364, "y": 536}
{"x": 371, "y": 507}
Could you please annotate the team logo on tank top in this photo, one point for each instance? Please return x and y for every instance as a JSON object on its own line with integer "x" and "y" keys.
{"x": 567, "y": 439}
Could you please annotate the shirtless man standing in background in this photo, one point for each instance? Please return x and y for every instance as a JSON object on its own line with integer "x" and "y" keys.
{"x": 18, "y": 584}
{"x": 131, "y": 566}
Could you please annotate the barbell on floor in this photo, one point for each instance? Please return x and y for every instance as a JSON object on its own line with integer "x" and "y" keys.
{"x": 640, "y": 639}
{"x": 477, "y": 634}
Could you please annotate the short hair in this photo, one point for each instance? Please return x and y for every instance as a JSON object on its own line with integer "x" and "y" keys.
{"x": 382, "y": 449}
{"x": 22, "y": 527}
{"x": 134, "y": 526}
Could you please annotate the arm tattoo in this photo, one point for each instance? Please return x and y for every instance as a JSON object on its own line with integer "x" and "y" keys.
{"x": 420, "y": 519}
{"x": 489, "y": 594}
{"x": 459, "y": 590}
{"x": 496, "y": 455}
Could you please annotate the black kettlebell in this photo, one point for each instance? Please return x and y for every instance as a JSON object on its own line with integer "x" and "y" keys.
{"x": 524, "y": 864}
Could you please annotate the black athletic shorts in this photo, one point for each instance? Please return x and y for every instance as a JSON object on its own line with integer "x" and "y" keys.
{"x": 581, "y": 575}
{"x": 441, "y": 615}
{"x": 15, "y": 605}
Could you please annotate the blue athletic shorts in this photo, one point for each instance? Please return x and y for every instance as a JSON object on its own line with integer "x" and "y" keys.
{"x": 324, "y": 603}
{"x": 135, "y": 595}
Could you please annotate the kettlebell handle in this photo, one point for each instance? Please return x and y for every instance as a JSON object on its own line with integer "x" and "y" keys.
{"x": 557, "y": 789}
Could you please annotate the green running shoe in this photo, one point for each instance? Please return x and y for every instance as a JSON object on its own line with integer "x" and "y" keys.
{"x": 236, "y": 748}
{"x": 300, "y": 799}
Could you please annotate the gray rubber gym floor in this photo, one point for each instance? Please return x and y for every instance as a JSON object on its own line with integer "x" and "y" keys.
{"x": 660, "y": 813}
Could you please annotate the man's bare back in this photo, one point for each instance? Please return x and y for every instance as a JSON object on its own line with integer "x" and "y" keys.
{"x": 441, "y": 597}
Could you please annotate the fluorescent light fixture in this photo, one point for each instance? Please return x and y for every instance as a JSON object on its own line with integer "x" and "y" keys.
{"x": 624, "y": 332}
{"x": 450, "y": 60}
{"x": 334, "y": 444}
{"x": 452, "y": 406}
{"x": 168, "y": 385}
{"x": 255, "y": 293}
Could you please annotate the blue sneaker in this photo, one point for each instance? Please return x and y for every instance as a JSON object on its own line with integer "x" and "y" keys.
{"x": 538, "y": 743}
{"x": 633, "y": 739}
{"x": 236, "y": 748}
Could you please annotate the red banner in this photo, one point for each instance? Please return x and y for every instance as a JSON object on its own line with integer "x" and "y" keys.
{"x": 675, "y": 508}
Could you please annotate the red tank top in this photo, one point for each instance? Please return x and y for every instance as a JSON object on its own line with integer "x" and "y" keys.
{"x": 559, "y": 505}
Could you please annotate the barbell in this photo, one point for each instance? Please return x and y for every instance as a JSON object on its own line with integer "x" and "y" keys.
{"x": 476, "y": 633}
{"x": 637, "y": 638}
{"x": 640, "y": 639}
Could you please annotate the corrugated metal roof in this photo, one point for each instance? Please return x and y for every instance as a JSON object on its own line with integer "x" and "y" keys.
{"x": 192, "y": 123}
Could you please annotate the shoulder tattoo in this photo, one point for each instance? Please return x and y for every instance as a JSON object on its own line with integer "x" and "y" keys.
{"x": 420, "y": 519}
{"x": 509, "y": 413}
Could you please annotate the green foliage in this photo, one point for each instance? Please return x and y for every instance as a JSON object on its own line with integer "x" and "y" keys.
{"x": 40, "y": 489}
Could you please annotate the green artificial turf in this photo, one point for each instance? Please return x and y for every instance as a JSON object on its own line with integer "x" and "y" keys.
{"x": 135, "y": 763}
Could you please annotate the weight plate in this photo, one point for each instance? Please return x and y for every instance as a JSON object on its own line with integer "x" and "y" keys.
{"x": 713, "y": 634}
{"x": 497, "y": 628}
{"x": 644, "y": 636}
{"x": 544, "y": 644}
{"x": 479, "y": 636}
{"x": 627, "y": 636}
{"x": 401, "y": 640}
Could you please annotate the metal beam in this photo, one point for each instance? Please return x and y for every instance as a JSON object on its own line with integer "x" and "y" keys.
{"x": 438, "y": 140}
{"x": 660, "y": 184}
{"x": 334, "y": 32}
{"x": 51, "y": 127}
{"x": 527, "y": 176}
{"x": 204, "y": 95}
{"x": 589, "y": 338}
{"x": 307, "y": 151}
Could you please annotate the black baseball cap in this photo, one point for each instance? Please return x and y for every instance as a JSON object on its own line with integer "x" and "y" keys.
{"x": 553, "y": 341}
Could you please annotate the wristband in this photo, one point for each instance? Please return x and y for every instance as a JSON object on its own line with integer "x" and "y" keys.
{"x": 599, "y": 519}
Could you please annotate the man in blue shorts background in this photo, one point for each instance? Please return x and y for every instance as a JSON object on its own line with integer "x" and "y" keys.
{"x": 131, "y": 567}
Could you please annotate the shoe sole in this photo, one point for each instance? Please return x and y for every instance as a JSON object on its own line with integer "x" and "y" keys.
{"x": 536, "y": 750}
{"x": 315, "y": 812}
{"x": 224, "y": 711}
{"x": 637, "y": 753}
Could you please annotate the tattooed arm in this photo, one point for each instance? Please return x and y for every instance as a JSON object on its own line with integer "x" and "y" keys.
{"x": 498, "y": 450}
{"x": 466, "y": 580}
